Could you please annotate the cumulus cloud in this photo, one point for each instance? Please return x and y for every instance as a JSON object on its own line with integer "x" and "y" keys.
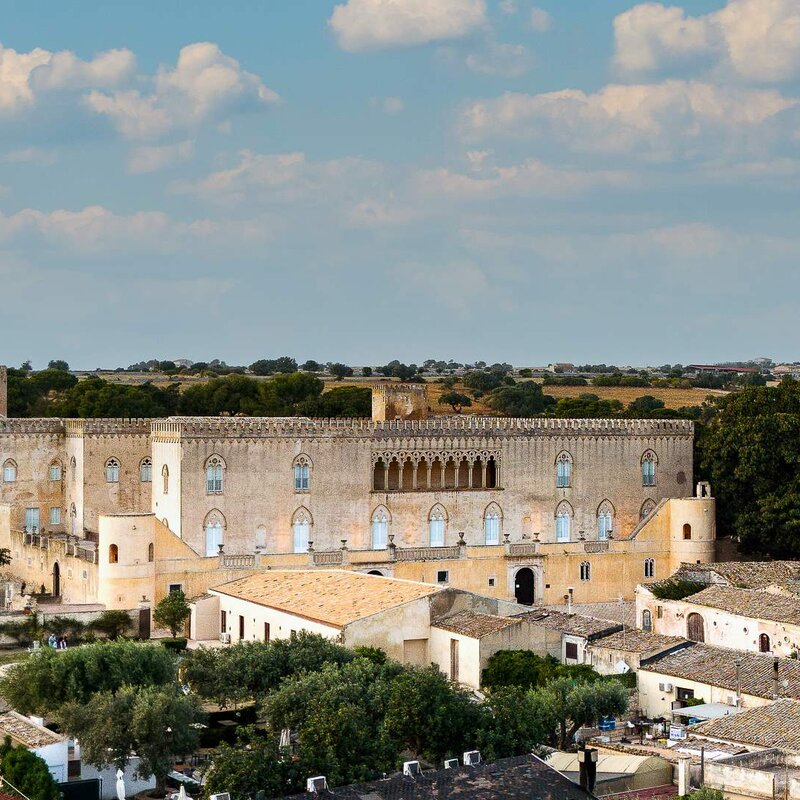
{"x": 754, "y": 39}
{"x": 284, "y": 176}
{"x": 24, "y": 76}
{"x": 205, "y": 84}
{"x": 376, "y": 24}
{"x": 660, "y": 120}
{"x": 156, "y": 157}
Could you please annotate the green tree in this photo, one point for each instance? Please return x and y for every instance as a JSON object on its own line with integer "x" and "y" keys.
{"x": 340, "y": 371}
{"x": 483, "y": 381}
{"x": 58, "y": 364}
{"x": 155, "y": 722}
{"x": 518, "y": 668}
{"x": 172, "y": 612}
{"x": 44, "y": 682}
{"x": 522, "y": 400}
{"x": 748, "y": 453}
{"x": 455, "y": 400}
{"x": 27, "y": 772}
{"x": 513, "y": 723}
{"x": 112, "y": 624}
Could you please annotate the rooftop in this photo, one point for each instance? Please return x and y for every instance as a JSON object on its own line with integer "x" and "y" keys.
{"x": 775, "y": 725}
{"x": 518, "y": 778}
{"x": 615, "y": 611}
{"x": 716, "y": 666}
{"x": 746, "y": 574}
{"x": 571, "y": 624}
{"x": 474, "y": 624}
{"x": 749, "y": 603}
{"x": 633, "y": 640}
{"x": 333, "y": 597}
{"x": 26, "y": 732}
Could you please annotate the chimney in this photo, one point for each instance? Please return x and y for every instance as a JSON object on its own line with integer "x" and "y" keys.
{"x": 775, "y": 682}
{"x": 587, "y": 765}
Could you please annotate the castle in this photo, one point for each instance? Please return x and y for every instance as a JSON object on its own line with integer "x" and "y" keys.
{"x": 122, "y": 511}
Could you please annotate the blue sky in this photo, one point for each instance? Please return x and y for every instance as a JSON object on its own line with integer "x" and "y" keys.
{"x": 371, "y": 179}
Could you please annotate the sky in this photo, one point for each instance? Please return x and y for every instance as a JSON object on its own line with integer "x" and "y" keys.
{"x": 365, "y": 180}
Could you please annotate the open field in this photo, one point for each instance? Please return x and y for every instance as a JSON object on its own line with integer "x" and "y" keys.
{"x": 673, "y": 398}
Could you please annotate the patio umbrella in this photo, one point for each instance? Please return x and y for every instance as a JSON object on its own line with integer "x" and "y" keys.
{"x": 120, "y": 785}
{"x": 182, "y": 793}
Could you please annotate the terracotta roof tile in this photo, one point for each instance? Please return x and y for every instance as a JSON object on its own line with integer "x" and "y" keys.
{"x": 747, "y": 574}
{"x": 333, "y": 597}
{"x": 749, "y": 603}
{"x": 474, "y": 624}
{"x": 633, "y": 640}
{"x": 571, "y": 624}
{"x": 775, "y": 725}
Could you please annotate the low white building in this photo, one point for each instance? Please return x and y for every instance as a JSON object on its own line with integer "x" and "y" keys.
{"x": 623, "y": 651}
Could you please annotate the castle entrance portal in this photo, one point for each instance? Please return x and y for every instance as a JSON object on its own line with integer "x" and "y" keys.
{"x": 523, "y": 586}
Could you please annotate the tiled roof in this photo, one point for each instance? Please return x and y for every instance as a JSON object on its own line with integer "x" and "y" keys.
{"x": 749, "y": 574}
{"x": 633, "y": 640}
{"x": 775, "y": 725}
{"x": 614, "y": 611}
{"x": 749, "y": 603}
{"x": 474, "y": 624}
{"x": 27, "y": 732}
{"x": 518, "y": 778}
{"x": 716, "y": 666}
{"x": 571, "y": 624}
{"x": 333, "y": 597}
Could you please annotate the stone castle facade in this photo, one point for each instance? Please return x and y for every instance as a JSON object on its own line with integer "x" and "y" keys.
{"x": 536, "y": 509}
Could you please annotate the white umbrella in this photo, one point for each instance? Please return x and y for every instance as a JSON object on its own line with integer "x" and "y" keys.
{"x": 182, "y": 793}
{"x": 120, "y": 785}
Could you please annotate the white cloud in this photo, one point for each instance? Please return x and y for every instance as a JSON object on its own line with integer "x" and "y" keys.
{"x": 23, "y": 76}
{"x": 205, "y": 85}
{"x": 393, "y": 105}
{"x": 755, "y": 39}
{"x": 660, "y": 120}
{"x": 284, "y": 176}
{"x": 156, "y": 157}
{"x": 508, "y": 7}
{"x": 30, "y": 155}
{"x": 540, "y": 20}
{"x": 502, "y": 60}
{"x": 375, "y": 24}
{"x": 371, "y": 213}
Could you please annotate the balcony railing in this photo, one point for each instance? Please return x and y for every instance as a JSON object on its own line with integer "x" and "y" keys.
{"x": 427, "y": 553}
{"x": 238, "y": 562}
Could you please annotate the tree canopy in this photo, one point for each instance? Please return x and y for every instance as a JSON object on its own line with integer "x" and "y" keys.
{"x": 172, "y": 612}
{"x": 27, "y": 772}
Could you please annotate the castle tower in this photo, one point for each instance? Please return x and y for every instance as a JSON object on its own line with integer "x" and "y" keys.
{"x": 3, "y": 392}
{"x": 693, "y": 529}
{"x": 399, "y": 401}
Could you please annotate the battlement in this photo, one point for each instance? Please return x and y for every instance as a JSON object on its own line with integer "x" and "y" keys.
{"x": 502, "y": 427}
{"x": 11, "y": 426}
{"x": 108, "y": 427}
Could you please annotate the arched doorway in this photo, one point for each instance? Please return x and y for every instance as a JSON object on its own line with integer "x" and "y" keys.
{"x": 524, "y": 586}
{"x": 56, "y": 580}
{"x": 695, "y": 628}
{"x": 375, "y": 572}
{"x": 764, "y": 643}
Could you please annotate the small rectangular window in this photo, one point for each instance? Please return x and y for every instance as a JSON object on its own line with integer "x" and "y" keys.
{"x": 492, "y": 582}
{"x": 223, "y": 621}
{"x": 571, "y": 650}
{"x": 442, "y": 576}
{"x": 55, "y": 516}
{"x": 266, "y": 631}
{"x": 175, "y": 587}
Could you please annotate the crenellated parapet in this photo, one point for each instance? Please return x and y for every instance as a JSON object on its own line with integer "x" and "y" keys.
{"x": 108, "y": 427}
{"x": 20, "y": 426}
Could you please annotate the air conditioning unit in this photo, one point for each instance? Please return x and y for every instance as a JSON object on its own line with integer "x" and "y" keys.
{"x": 220, "y": 796}
{"x": 471, "y": 758}
{"x": 412, "y": 769}
{"x": 664, "y": 687}
{"x": 315, "y": 785}
{"x": 225, "y": 638}
{"x": 450, "y": 763}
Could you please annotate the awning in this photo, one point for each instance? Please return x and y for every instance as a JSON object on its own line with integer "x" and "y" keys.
{"x": 707, "y": 711}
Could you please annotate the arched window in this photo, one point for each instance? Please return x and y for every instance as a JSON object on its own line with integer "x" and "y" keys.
{"x": 647, "y": 509}
{"x": 9, "y": 471}
{"x": 492, "y": 521}
{"x": 380, "y": 528}
{"x": 687, "y": 531}
{"x": 165, "y": 478}
{"x": 649, "y": 567}
{"x": 146, "y": 470}
{"x": 649, "y": 462}
{"x": 563, "y": 522}
{"x": 301, "y": 529}
{"x": 55, "y": 471}
{"x": 215, "y": 532}
{"x": 605, "y": 520}
{"x": 151, "y": 554}
{"x": 563, "y": 470}
{"x": 586, "y": 571}
{"x": 302, "y": 473}
{"x": 437, "y": 525}
{"x": 647, "y": 621}
{"x": 214, "y": 469}
{"x": 112, "y": 471}
{"x": 113, "y": 554}
{"x": 764, "y": 644}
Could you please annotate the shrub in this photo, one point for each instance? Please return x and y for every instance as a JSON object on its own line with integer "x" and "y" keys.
{"x": 676, "y": 588}
{"x": 178, "y": 644}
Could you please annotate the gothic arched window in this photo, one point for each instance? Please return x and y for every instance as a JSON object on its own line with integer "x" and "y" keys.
{"x": 380, "y": 528}
{"x": 563, "y": 522}
{"x": 301, "y": 529}
{"x": 146, "y": 470}
{"x": 586, "y": 571}
{"x": 215, "y": 468}
{"x": 112, "y": 470}
{"x": 302, "y": 473}
{"x": 492, "y": 522}
{"x": 437, "y": 526}
{"x": 215, "y": 532}
{"x": 9, "y": 471}
{"x": 647, "y": 509}
{"x": 649, "y": 462}
{"x": 563, "y": 470}
{"x": 605, "y": 520}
